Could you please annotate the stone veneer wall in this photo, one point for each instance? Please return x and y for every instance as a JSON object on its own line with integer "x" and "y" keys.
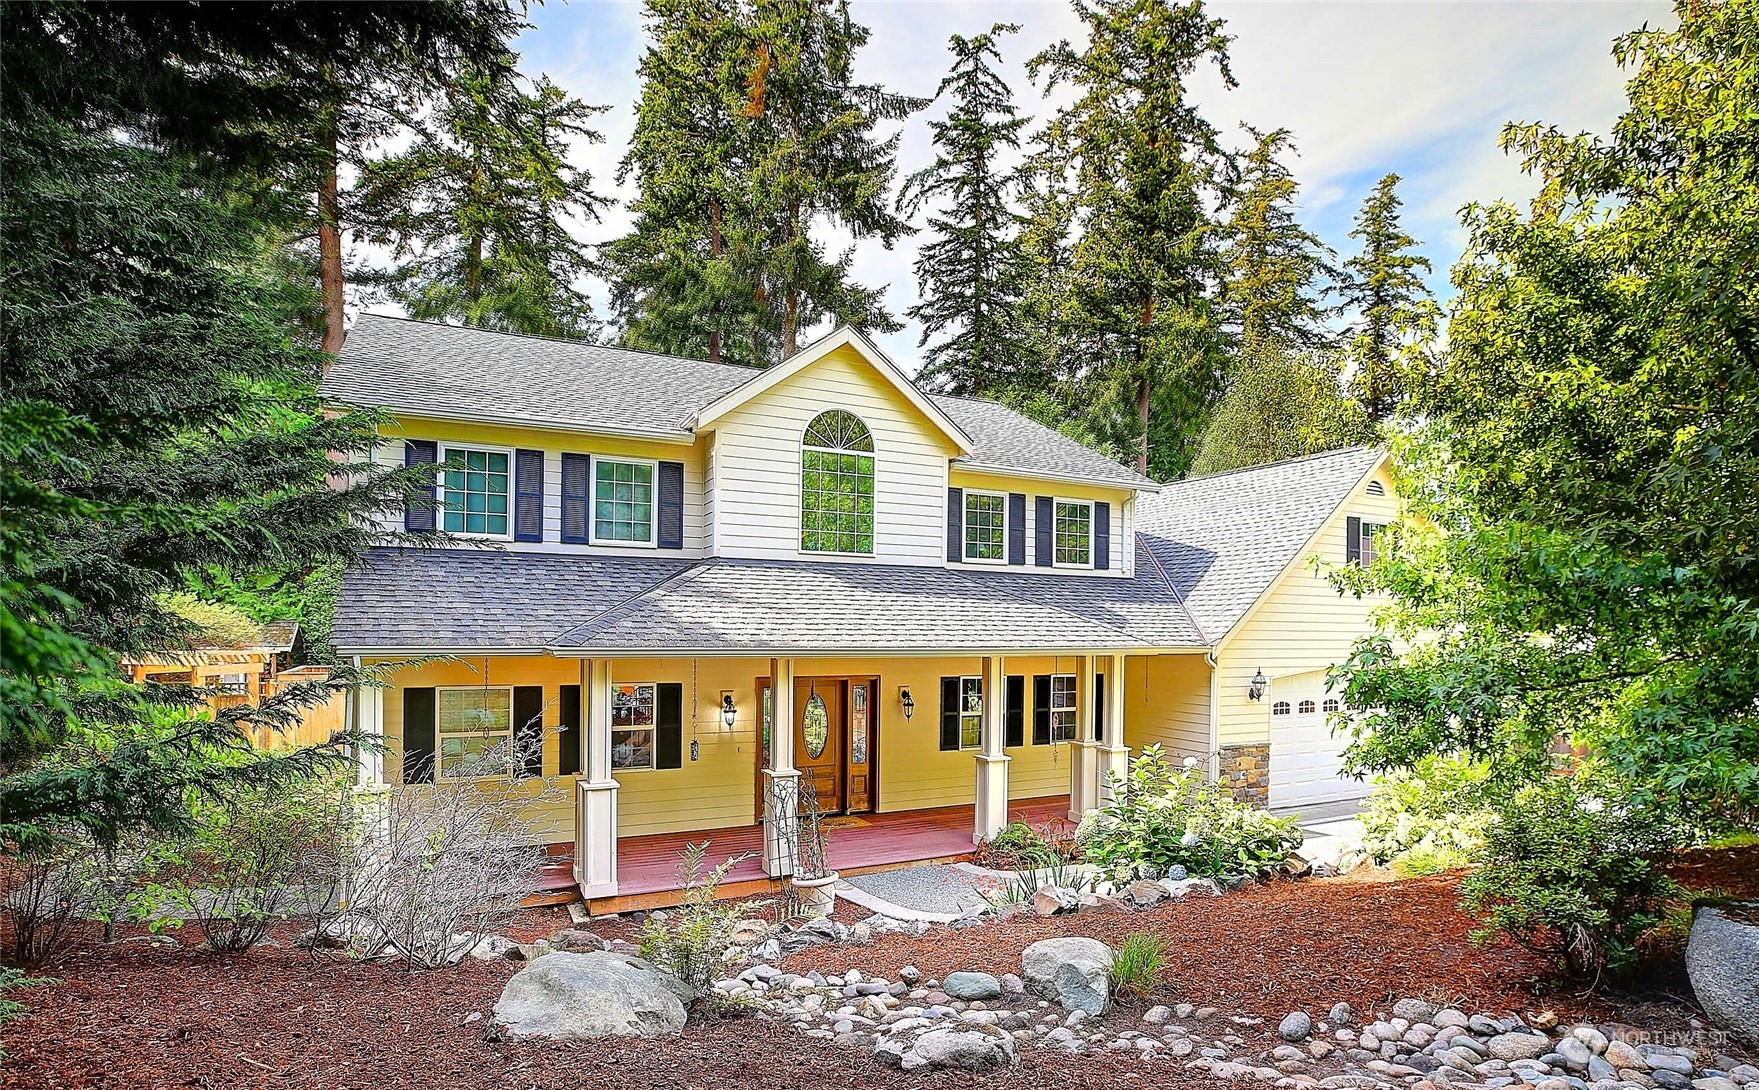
{"x": 1244, "y": 769}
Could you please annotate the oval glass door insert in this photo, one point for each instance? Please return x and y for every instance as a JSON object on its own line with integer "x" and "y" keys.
{"x": 815, "y": 726}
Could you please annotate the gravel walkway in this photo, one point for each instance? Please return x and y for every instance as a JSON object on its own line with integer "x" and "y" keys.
{"x": 935, "y": 887}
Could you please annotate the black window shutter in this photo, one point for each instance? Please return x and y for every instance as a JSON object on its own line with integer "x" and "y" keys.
{"x": 576, "y": 491}
{"x": 1353, "y": 540}
{"x": 418, "y": 506}
{"x": 955, "y": 525}
{"x": 670, "y": 533}
{"x": 949, "y": 713}
{"x": 1046, "y": 519}
{"x": 669, "y": 726}
{"x": 1041, "y": 710}
{"x": 1016, "y": 711}
{"x": 528, "y": 729}
{"x": 1099, "y": 707}
{"x": 568, "y": 717}
{"x": 528, "y": 495}
{"x": 1016, "y": 527}
{"x": 1102, "y": 536}
{"x": 418, "y": 735}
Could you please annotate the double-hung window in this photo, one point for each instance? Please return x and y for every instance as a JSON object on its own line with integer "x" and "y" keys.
{"x": 986, "y": 526}
{"x": 475, "y": 732}
{"x": 632, "y": 725}
{"x": 970, "y": 712}
{"x": 623, "y": 502}
{"x": 473, "y": 492}
{"x": 1063, "y": 708}
{"x": 1072, "y": 534}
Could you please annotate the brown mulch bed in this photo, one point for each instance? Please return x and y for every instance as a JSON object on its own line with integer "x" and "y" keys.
{"x": 136, "y": 1014}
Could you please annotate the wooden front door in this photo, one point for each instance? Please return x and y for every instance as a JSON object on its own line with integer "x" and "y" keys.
{"x": 820, "y": 740}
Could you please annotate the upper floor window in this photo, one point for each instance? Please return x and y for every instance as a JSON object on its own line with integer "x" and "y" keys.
{"x": 986, "y": 526}
{"x": 836, "y": 485}
{"x": 473, "y": 492}
{"x": 1359, "y": 541}
{"x": 1073, "y": 533}
{"x": 623, "y": 502}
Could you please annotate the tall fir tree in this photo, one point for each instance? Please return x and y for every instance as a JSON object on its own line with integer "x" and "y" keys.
{"x": 1278, "y": 272}
{"x": 1145, "y": 168}
{"x": 971, "y": 273}
{"x": 476, "y": 209}
{"x": 1397, "y": 315}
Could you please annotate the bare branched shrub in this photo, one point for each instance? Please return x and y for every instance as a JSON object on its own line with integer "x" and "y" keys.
{"x": 46, "y": 891}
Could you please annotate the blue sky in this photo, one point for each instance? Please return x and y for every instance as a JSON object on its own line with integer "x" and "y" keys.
{"x": 1418, "y": 88}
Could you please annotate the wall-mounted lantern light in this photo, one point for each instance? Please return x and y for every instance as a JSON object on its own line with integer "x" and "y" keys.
{"x": 729, "y": 714}
{"x": 908, "y": 701}
{"x": 1255, "y": 691}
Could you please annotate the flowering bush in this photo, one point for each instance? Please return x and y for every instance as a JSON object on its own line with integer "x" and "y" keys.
{"x": 1430, "y": 818}
{"x": 1162, "y": 816}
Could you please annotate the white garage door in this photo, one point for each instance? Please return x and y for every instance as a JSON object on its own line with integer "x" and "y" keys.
{"x": 1305, "y": 756}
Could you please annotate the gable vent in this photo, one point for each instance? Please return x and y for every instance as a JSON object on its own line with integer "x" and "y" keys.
{"x": 1375, "y": 488}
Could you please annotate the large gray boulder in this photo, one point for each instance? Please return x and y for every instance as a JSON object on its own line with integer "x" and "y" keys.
{"x": 1076, "y": 972}
{"x": 1722, "y": 960}
{"x": 962, "y": 1046}
{"x": 592, "y": 995}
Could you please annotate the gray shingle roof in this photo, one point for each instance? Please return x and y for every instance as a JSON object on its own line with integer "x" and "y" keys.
{"x": 453, "y": 599}
{"x": 425, "y": 368}
{"x": 1223, "y": 539}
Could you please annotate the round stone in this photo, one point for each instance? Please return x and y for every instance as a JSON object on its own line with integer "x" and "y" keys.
{"x": 1295, "y": 1026}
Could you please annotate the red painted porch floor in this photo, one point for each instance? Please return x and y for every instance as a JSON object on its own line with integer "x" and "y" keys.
{"x": 649, "y": 864}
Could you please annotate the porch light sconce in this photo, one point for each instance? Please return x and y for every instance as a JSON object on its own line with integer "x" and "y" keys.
{"x": 1255, "y": 691}
{"x": 908, "y": 701}
{"x": 729, "y": 714}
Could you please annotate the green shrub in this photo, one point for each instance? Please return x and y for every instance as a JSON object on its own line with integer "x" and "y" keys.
{"x": 1019, "y": 846}
{"x": 1428, "y": 819}
{"x": 1571, "y": 876}
{"x": 690, "y": 942}
{"x": 1160, "y": 816}
{"x": 1138, "y": 963}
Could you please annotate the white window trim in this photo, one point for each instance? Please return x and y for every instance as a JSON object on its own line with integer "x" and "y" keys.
{"x": 653, "y": 750}
{"x": 1074, "y": 710}
{"x": 512, "y": 489}
{"x": 440, "y": 735}
{"x": 592, "y": 501}
{"x": 800, "y": 449}
{"x": 1055, "y": 563}
{"x": 982, "y": 697}
{"x": 965, "y": 556}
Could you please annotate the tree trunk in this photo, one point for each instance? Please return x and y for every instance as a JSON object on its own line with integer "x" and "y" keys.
{"x": 330, "y": 239}
{"x": 714, "y": 251}
{"x": 1142, "y": 390}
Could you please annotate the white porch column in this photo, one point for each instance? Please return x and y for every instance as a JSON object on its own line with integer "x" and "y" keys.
{"x": 992, "y": 760}
{"x": 1113, "y": 754}
{"x": 595, "y": 817}
{"x": 781, "y": 796}
{"x": 1082, "y": 785}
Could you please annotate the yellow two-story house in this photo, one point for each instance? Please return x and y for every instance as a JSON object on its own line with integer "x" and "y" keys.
{"x": 676, "y": 592}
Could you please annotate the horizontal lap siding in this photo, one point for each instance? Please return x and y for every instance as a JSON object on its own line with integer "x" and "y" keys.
{"x": 1304, "y": 625}
{"x": 1122, "y": 552}
{"x": 1175, "y": 712}
{"x": 758, "y": 466}
{"x": 389, "y": 454}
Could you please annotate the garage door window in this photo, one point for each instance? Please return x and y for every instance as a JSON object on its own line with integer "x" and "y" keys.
{"x": 1308, "y": 707}
{"x": 1281, "y": 707}
{"x": 1331, "y": 705}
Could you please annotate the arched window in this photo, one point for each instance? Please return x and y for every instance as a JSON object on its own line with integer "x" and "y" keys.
{"x": 1308, "y": 707}
{"x": 1330, "y": 705}
{"x": 1281, "y": 707}
{"x": 836, "y": 485}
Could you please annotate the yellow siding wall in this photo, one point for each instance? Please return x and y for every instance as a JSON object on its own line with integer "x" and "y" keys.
{"x": 1169, "y": 704}
{"x": 1123, "y": 535}
{"x": 554, "y": 444}
{"x": 1303, "y": 625}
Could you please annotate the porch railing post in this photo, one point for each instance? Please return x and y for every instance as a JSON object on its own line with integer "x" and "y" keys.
{"x": 781, "y": 834}
{"x": 595, "y": 810}
{"x": 991, "y": 809}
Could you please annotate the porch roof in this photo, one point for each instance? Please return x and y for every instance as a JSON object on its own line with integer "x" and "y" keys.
{"x": 462, "y": 599}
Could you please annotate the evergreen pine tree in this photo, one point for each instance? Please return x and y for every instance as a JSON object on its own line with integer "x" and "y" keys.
{"x": 1146, "y": 168}
{"x": 474, "y": 210}
{"x": 971, "y": 272}
{"x": 1397, "y": 313}
{"x": 1276, "y": 269}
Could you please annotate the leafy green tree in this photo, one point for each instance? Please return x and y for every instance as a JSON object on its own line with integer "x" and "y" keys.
{"x": 971, "y": 272}
{"x": 1595, "y": 456}
{"x": 158, "y": 413}
{"x": 475, "y": 209}
{"x": 1397, "y": 316}
{"x": 1277, "y": 271}
{"x": 1145, "y": 168}
{"x": 1281, "y": 403}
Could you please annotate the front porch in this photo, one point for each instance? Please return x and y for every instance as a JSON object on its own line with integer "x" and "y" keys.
{"x": 647, "y": 866}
